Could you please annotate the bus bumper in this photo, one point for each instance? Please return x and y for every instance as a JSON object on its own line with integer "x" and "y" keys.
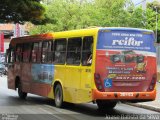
{"x": 124, "y": 96}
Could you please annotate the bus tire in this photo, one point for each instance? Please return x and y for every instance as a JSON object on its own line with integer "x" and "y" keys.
{"x": 104, "y": 105}
{"x": 21, "y": 94}
{"x": 58, "y": 96}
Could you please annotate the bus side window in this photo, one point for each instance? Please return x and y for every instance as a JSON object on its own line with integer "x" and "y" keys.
{"x": 19, "y": 52}
{"x": 39, "y": 54}
{"x": 26, "y": 52}
{"x": 87, "y": 51}
{"x": 74, "y": 51}
{"x": 35, "y": 52}
{"x": 7, "y": 56}
{"x": 44, "y": 51}
{"x": 60, "y": 51}
{"x": 47, "y": 52}
{"x": 10, "y": 56}
{"x": 50, "y": 54}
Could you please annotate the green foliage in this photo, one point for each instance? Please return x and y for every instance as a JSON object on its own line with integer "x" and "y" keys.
{"x": 19, "y": 11}
{"x": 154, "y": 5}
{"x": 77, "y": 14}
{"x": 154, "y": 11}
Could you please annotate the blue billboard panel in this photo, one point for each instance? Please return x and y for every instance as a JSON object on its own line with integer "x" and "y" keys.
{"x": 126, "y": 40}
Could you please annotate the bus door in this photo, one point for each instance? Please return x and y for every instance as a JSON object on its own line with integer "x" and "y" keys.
{"x": 86, "y": 69}
{"x": 10, "y": 57}
{"x": 73, "y": 69}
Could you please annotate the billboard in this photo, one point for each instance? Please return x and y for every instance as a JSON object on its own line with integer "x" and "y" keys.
{"x": 128, "y": 59}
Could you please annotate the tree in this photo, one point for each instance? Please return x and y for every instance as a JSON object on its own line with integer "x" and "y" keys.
{"x": 20, "y": 11}
{"x": 155, "y": 6}
{"x": 76, "y": 14}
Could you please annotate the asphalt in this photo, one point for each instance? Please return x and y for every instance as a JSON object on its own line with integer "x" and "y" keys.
{"x": 153, "y": 105}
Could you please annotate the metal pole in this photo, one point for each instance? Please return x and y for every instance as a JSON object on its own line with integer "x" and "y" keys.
{"x": 144, "y": 12}
{"x": 156, "y": 22}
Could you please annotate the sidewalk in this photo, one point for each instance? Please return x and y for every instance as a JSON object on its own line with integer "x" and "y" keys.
{"x": 154, "y": 105}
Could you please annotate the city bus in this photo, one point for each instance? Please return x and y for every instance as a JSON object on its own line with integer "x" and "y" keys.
{"x": 103, "y": 65}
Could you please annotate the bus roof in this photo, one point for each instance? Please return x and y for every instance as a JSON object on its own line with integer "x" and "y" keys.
{"x": 72, "y": 33}
{"x": 75, "y": 33}
{"x": 92, "y": 31}
{"x": 126, "y": 28}
{"x": 46, "y": 36}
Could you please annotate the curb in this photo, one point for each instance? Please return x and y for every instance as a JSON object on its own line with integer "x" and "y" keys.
{"x": 144, "y": 106}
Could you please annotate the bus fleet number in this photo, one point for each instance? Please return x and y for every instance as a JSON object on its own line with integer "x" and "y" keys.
{"x": 123, "y": 94}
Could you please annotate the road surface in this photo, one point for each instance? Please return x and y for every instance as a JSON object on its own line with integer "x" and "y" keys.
{"x": 40, "y": 108}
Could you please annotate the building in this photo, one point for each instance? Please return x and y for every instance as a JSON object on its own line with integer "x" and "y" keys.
{"x": 12, "y": 30}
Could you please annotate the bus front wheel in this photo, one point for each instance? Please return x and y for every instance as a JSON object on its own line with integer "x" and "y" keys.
{"x": 104, "y": 105}
{"x": 21, "y": 94}
{"x": 58, "y": 95}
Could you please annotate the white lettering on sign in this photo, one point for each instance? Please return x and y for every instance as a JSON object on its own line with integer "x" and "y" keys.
{"x": 127, "y": 41}
{"x": 123, "y": 94}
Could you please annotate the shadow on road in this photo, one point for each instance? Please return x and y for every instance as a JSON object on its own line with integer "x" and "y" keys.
{"x": 87, "y": 109}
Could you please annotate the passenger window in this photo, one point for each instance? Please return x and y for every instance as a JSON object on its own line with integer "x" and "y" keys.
{"x": 26, "y": 52}
{"x": 39, "y": 54}
{"x": 44, "y": 51}
{"x": 7, "y": 55}
{"x": 35, "y": 52}
{"x": 18, "y": 53}
{"x": 74, "y": 51}
{"x": 60, "y": 51}
{"x": 50, "y": 52}
{"x": 10, "y": 56}
{"x": 87, "y": 50}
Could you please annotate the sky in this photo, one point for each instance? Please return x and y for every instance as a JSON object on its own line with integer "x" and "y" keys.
{"x": 140, "y": 1}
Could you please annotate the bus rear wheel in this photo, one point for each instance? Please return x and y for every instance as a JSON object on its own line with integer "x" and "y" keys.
{"x": 104, "y": 105}
{"x": 21, "y": 94}
{"x": 58, "y": 95}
